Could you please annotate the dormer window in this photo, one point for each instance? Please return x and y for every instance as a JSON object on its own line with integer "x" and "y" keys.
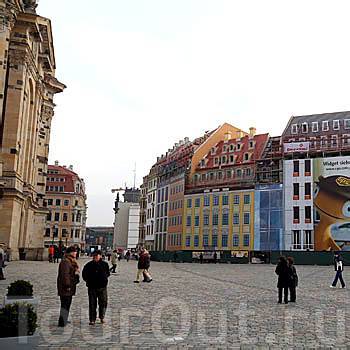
{"x": 346, "y": 123}
{"x": 224, "y": 149}
{"x": 232, "y": 158}
{"x": 232, "y": 147}
{"x": 325, "y": 125}
{"x": 304, "y": 128}
{"x": 294, "y": 129}
{"x": 202, "y": 163}
{"x": 251, "y": 144}
{"x": 336, "y": 124}
{"x": 314, "y": 126}
{"x": 216, "y": 161}
{"x": 213, "y": 150}
{"x": 223, "y": 160}
{"x": 238, "y": 146}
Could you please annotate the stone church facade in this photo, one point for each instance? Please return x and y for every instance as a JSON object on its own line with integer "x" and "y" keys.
{"x": 27, "y": 89}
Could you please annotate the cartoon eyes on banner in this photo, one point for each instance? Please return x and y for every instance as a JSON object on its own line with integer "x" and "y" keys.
{"x": 346, "y": 209}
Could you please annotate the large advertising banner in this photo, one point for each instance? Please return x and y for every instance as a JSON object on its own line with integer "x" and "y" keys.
{"x": 332, "y": 202}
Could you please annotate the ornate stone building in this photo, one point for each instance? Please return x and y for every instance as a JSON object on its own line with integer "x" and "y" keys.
{"x": 27, "y": 89}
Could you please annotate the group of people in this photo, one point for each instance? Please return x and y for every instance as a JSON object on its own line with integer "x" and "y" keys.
{"x": 95, "y": 273}
{"x": 288, "y": 277}
{"x": 57, "y": 252}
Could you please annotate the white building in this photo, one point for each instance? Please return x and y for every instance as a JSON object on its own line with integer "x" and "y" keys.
{"x": 150, "y": 212}
{"x": 298, "y": 204}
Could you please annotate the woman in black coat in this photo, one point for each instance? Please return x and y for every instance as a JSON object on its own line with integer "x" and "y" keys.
{"x": 284, "y": 278}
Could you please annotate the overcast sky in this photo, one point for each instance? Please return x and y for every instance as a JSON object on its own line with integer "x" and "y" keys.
{"x": 142, "y": 74}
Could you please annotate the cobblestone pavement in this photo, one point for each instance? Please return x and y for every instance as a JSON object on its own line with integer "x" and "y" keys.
{"x": 193, "y": 306}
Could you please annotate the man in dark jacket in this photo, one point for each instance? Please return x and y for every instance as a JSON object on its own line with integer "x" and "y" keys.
{"x": 67, "y": 279}
{"x": 284, "y": 279}
{"x": 95, "y": 274}
{"x": 338, "y": 267}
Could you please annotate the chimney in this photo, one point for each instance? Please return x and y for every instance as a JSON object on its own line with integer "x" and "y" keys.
{"x": 71, "y": 167}
{"x": 252, "y": 131}
{"x": 56, "y": 162}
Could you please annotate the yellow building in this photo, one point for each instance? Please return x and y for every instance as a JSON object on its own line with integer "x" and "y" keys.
{"x": 221, "y": 220}
{"x": 27, "y": 89}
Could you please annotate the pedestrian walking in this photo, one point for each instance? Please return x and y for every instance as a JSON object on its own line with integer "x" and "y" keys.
{"x": 2, "y": 262}
{"x": 201, "y": 258}
{"x": 114, "y": 257}
{"x": 56, "y": 254}
{"x": 339, "y": 268}
{"x": 95, "y": 274}
{"x": 293, "y": 281}
{"x": 67, "y": 279}
{"x": 143, "y": 266}
{"x": 215, "y": 257}
{"x": 51, "y": 253}
{"x": 284, "y": 277}
{"x": 127, "y": 255}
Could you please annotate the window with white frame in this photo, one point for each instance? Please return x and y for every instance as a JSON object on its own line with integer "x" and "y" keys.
{"x": 304, "y": 128}
{"x": 294, "y": 129}
{"x": 336, "y": 124}
{"x": 325, "y": 125}
{"x": 296, "y": 239}
{"x": 314, "y": 126}
{"x": 346, "y": 123}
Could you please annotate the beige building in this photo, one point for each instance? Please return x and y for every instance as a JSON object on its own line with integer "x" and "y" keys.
{"x": 27, "y": 89}
{"x": 66, "y": 201}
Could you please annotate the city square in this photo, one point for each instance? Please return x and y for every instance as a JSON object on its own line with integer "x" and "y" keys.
{"x": 194, "y": 306}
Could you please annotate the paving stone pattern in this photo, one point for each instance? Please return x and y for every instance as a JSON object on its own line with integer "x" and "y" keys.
{"x": 193, "y": 306}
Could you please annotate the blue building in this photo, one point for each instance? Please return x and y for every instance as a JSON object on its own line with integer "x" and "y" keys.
{"x": 268, "y": 228}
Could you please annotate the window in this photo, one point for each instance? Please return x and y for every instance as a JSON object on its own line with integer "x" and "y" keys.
{"x": 334, "y": 140}
{"x": 206, "y": 220}
{"x": 236, "y": 199}
{"x": 239, "y": 172}
{"x": 215, "y": 219}
{"x": 196, "y": 220}
{"x": 296, "y": 239}
{"x": 196, "y": 241}
{"x": 336, "y": 124}
{"x": 188, "y": 241}
{"x": 314, "y": 126}
{"x": 57, "y": 216}
{"x": 206, "y": 201}
{"x": 189, "y": 203}
{"x": 50, "y": 201}
{"x": 246, "y": 157}
{"x": 324, "y": 141}
{"x": 48, "y": 232}
{"x": 73, "y": 217}
{"x": 216, "y": 161}
{"x": 232, "y": 158}
{"x": 308, "y": 241}
{"x": 225, "y": 218}
{"x": 238, "y": 146}
{"x": 66, "y": 202}
{"x": 224, "y": 240}
{"x": 246, "y": 239}
{"x": 219, "y": 175}
{"x": 55, "y": 232}
{"x": 58, "y": 202}
{"x": 296, "y": 167}
{"x": 251, "y": 144}
{"x": 246, "y": 199}
{"x": 296, "y": 215}
{"x": 214, "y": 241}
{"x": 189, "y": 221}
{"x": 224, "y": 149}
{"x": 49, "y": 216}
{"x": 346, "y": 123}
{"x": 307, "y": 167}
{"x": 223, "y": 159}
{"x": 294, "y": 129}
{"x": 64, "y": 232}
{"x": 308, "y": 190}
{"x": 235, "y": 240}
{"x": 225, "y": 200}
{"x": 246, "y": 219}
{"x": 205, "y": 240}
{"x": 197, "y": 202}
{"x": 325, "y": 125}
{"x": 308, "y": 214}
{"x": 65, "y": 217}
{"x": 248, "y": 172}
{"x": 216, "y": 200}
{"x": 228, "y": 174}
{"x": 236, "y": 219}
{"x": 304, "y": 128}
{"x": 295, "y": 191}
{"x": 232, "y": 148}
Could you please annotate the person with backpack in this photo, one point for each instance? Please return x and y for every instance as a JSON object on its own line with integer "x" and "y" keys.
{"x": 293, "y": 280}
{"x": 339, "y": 268}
